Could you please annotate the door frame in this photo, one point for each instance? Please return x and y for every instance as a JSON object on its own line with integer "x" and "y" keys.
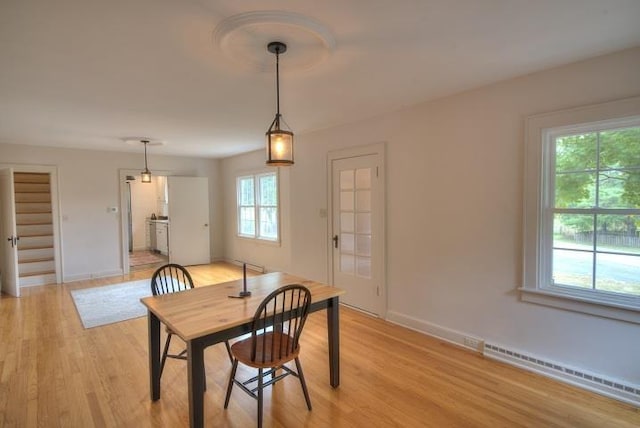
{"x": 124, "y": 231}
{"x": 378, "y": 149}
{"x": 52, "y": 170}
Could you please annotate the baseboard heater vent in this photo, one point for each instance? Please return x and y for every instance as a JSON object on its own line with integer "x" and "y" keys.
{"x": 611, "y": 388}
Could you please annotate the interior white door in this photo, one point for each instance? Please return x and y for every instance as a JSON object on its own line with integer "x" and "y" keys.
{"x": 9, "y": 245}
{"x": 357, "y": 231}
{"x": 188, "y": 220}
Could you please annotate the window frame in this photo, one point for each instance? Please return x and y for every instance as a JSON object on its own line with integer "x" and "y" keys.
{"x": 538, "y": 231}
{"x": 256, "y": 236}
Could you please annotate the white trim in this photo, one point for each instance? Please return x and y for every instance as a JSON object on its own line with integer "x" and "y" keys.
{"x": 84, "y": 276}
{"x": 378, "y": 149}
{"x": 443, "y": 333}
{"x": 255, "y": 176}
{"x": 52, "y": 170}
{"x": 534, "y": 288}
{"x": 124, "y": 231}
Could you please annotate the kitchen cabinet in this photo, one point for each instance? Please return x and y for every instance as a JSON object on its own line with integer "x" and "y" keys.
{"x": 162, "y": 238}
{"x": 151, "y": 235}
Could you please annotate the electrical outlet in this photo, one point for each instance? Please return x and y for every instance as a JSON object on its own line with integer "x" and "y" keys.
{"x": 472, "y": 342}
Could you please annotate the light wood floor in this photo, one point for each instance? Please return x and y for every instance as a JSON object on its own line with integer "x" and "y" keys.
{"x": 53, "y": 373}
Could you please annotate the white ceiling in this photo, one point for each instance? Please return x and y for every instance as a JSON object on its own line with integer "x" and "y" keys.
{"x": 92, "y": 74}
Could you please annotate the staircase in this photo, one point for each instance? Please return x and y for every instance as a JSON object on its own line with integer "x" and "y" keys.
{"x": 36, "y": 263}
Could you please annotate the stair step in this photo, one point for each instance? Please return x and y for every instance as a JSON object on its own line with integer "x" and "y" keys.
{"x": 34, "y": 260}
{"x": 36, "y": 273}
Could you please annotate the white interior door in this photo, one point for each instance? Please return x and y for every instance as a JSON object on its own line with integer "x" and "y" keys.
{"x": 9, "y": 244}
{"x": 188, "y": 220}
{"x": 357, "y": 231}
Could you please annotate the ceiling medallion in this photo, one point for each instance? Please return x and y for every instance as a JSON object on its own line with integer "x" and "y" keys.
{"x": 243, "y": 38}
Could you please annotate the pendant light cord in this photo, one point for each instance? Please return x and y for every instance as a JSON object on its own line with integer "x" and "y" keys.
{"x": 145, "y": 155}
{"x": 278, "y": 86}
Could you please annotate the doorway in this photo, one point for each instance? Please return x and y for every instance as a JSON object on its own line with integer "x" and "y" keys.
{"x": 180, "y": 231}
{"x": 30, "y": 253}
{"x": 146, "y": 220}
{"x": 356, "y": 254}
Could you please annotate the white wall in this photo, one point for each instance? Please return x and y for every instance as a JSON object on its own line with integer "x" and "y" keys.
{"x": 88, "y": 183}
{"x": 454, "y": 213}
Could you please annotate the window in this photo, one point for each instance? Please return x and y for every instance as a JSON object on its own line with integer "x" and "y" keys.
{"x": 258, "y": 206}
{"x": 582, "y": 211}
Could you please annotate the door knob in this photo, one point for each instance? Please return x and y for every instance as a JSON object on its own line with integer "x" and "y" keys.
{"x": 335, "y": 241}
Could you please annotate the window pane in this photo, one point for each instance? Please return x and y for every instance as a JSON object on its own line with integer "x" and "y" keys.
{"x": 363, "y": 200}
{"x": 618, "y": 273}
{"x": 346, "y": 263}
{"x": 269, "y": 222}
{"x": 575, "y": 190}
{"x": 363, "y": 222}
{"x": 346, "y": 179}
{"x": 346, "y": 201}
{"x": 618, "y": 233}
{"x": 268, "y": 190}
{"x": 346, "y": 222}
{"x": 576, "y": 152}
{"x": 363, "y": 245}
{"x": 573, "y": 231}
{"x": 246, "y": 191}
{"x": 347, "y": 244}
{"x": 247, "y": 221}
{"x": 363, "y": 178}
{"x": 619, "y": 189}
{"x": 620, "y": 148}
{"x": 573, "y": 268}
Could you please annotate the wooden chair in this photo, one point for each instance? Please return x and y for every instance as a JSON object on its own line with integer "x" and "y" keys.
{"x": 275, "y": 335}
{"x": 173, "y": 278}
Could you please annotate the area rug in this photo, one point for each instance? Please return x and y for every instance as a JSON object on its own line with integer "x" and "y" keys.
{"x": 111, "y": 303}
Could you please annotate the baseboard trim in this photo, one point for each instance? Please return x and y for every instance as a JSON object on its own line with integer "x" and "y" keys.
{"x": 85, "y": 276}
{"x": 448, "y": 335}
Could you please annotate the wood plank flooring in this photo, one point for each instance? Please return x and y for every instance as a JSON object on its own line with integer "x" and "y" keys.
{"x": 54, "y": 373}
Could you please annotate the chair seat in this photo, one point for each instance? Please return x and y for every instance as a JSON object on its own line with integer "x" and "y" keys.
{"x": 274, "y": 343}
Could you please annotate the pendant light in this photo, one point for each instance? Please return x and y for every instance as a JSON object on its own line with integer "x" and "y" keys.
{"x": 279, "y": 141}
{"x": 146, "y": 174}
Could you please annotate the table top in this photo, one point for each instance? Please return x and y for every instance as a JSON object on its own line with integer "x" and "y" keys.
{"x": 209, "y": 309}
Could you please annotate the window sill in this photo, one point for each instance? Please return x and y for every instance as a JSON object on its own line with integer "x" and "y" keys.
{"x": 557, "y": 298}
{"x": 267, "y": 242}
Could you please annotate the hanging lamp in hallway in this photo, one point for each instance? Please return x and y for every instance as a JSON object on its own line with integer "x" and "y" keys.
{"x": 279, "y": 141}
{"x": 146, "y": 174}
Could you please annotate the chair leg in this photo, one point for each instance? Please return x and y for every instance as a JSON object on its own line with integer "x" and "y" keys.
{"x": 226, "y": 343}
{"x": 164, "y": 353}
{"x": 232, "y": 378}
{"x": 260, "y": 388}
{"x": 303, "y": 383}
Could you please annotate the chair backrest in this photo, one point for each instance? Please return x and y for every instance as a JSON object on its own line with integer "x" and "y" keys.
{"x": 170, "y": 278}
{"x": 278, "y": 322}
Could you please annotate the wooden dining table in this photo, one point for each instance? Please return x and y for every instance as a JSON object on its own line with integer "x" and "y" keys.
{"x": 206, "y": 315}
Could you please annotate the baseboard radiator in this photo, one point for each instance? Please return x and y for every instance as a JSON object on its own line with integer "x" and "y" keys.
{"x": 626, "y": 392}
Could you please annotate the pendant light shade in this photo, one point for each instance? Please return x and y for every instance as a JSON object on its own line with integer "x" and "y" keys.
{"x": 146, "y": 174}
{"x": 279, "y": 141}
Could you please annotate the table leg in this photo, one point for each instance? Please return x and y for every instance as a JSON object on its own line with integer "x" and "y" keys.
{"x": 333, "y": 329}
{"x": 154, "y": 355}
{"x": 195, "y": 368}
